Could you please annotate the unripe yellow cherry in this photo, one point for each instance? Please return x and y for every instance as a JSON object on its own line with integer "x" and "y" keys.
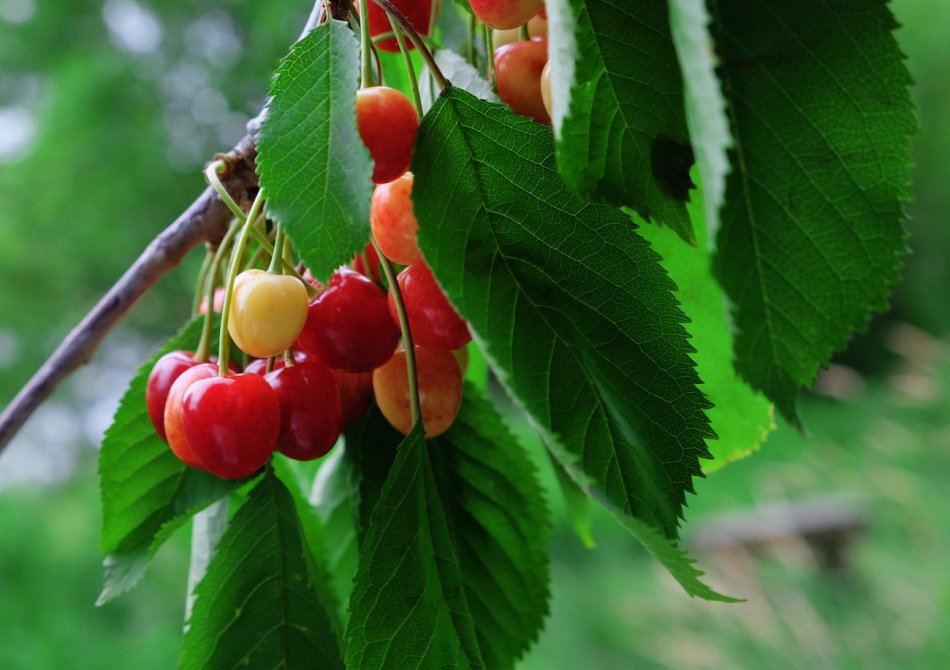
{"x": 267, "y": 312}
{"x": 546, "y": 88}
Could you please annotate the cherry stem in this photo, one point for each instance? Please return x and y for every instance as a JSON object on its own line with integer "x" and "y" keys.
{"x": 289, "y": 268}
{"x": 390, "y": 273}
{"x": 366, "y": 45}
{"x": 490, "y": 50}
{"x": 523, "y": 33}
{"x": 410, "y": 70}
{"x": 407, "y": 28}
{"x": 200, "y": 283}
{"x": 204, "y": 344}
{"x": 277, "y": 253}
{"x": 211, "y": 174}
{"x": 224, "y": 344}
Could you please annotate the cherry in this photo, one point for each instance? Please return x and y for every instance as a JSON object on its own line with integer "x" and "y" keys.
{"x": 546, "y": 88}
{"x": 518, "y": 69}
{"x": 419, "y": 13}
{"x": 373, "y": 259}
{"x": 259, "y": 365}
{"x": 267, "y": 312}
{"x": 505, "y": 14}
{"x": 231, "y": 423}
{"x": 164, "y": 373}
{"x": 348, "y": 326}
{"x": 218, "y": 301}
{"x": 387, "y": 121}
{"x": 310, "y": 409}
{"x": 393, "y": 223}
{"x": 174, "y": 418}
{"x": 440, "y": 390}
{"x": 432, "y": 318}
{"x": 537, "y": 27}
{"x": 356, "y": 393}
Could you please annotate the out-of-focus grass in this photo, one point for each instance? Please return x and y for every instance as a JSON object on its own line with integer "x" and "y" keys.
{"x": 613, "y": 607}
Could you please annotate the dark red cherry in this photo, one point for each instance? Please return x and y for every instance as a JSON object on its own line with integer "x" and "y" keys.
{"x": 387, "y": 123}
{"x": 174, "y": 418}
{"x": 356, "y": 394}
{"x": 348, "y": 326}
{"x": 164, "y": 373}
{"x": 432, "y": 318}
{"x": 310, "y": 409}
{"x": 231, "y": 423}
{"x": 419, "y": 13}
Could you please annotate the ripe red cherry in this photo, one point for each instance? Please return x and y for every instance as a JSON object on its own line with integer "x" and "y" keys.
{"x": 310, "y": 410}
{"x": 231, "y": 423}
{"x": 419, "y": 13}
{"x": 373, "y": 259}
{"x": 432, "y": 318}
{"x": 387, "y": 121}
{"x": 393, "y": 223}
{"x": 348, "y": 326}
{"x": 164, "y": 373}
{"x": 174, "y": 418}
{"x": 356, "y": 394}
{"x": 505, "y": 14}
{"x": 518, "y": 69}
{"x": 440, "y": 390}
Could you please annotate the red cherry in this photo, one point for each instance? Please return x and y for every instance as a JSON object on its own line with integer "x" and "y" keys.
{"x": 387, "y": 121}
{"x": 348, "y": 326}
{"x": 393, "y": 223}
{"x": 166, "y": 370}
{"x": 310, "y": 410}
{"x": 259, "y": 365}
{"x": 218, "y": 301}
{"x": 505, "y": 13}
{"x": 356, "y": 394}
{"x": 174, "y": 418}
{"x": 373, "y": 259}
{"x": 419, "y": 13}
{"x": 231, "y": 423}
{"x": 518, "y": 68}
{"x": 432, "y": 318}
{"x": 440, "y": 390}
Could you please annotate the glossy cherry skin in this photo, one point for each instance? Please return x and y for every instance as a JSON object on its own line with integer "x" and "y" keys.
{"x": 505, "y": 14}
{"x": 537, "y": 27}
{"x": 164, "y": 373}
{"x": 356, "y": 394}
{"x": 440, "y": 390}
{"x": 546, "y": 88}
{"x": 419, "y": 13}
{"x": 267, "y": 312}
{"x": 174, "y": 418}
{"x": 310, "y": 410}
{"x": 393, "y": 223}
{"x": 387, "y": 122}
{"x": 432, "y": 318}
{"x": 373, "y": 259}
{"x": 231, "y": 423}
{"x": 348, "y": 326}
{"x": 518, "y": 69}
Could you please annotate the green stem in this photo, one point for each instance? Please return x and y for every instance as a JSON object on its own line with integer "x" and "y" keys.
{"x": 390, "y": 273}
{"x": 204, "y": 344}
{"x": 289, "y": 268}
{"x": 200, "y": 283}
{"x": 277, "y": 253}
{"x": 490, "y": 50}
{"x": 470, "y": 42}
{"x": 366, "y": 45}
{"x": 407, "y": 28}
{"x": 211, "y": 174}
{"x": 413, "y": 82}
{"x": 523, "y": 33}
{"x": 224, "y": 348}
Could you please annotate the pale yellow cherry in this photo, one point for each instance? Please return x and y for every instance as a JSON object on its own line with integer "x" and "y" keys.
{"x": 268, "y": 312}
{"x": 546, "y": 88}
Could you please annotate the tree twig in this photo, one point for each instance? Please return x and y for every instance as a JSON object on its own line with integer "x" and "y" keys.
{"x": 205, "y": 220}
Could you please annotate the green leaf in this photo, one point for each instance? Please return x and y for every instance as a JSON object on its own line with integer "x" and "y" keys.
{"x": 618, "y": 106}
{"x": 741, "y": 417}
{"x": 317, "y": 172}
{"x": 257, "y": 605}
{"x": 705, "y": 105}
{"x": 146, "y": 491}
{"x": 576, "y": 504}
{"x": 568, "y": 303}
{"x": 811, "y": 237}
{"x": 453, "y": 568}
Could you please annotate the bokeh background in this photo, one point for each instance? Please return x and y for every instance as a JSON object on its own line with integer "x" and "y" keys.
{"x": 839, "y": 539}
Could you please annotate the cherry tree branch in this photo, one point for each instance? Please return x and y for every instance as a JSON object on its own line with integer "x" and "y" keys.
{"x": 205, "y": 220}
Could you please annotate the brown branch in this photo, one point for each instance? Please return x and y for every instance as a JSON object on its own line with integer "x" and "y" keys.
{"x": 205, "y": 220}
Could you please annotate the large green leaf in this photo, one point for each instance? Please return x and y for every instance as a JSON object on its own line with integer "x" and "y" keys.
{"x": 618, "y": 106}
{"x": 146, "y": 491}
{"x": 741, "y": 417}
{"x": 569, "y": 304}
{"x": 317, "y": 172}
{"x": 257, "y": 605}
{"x": 811, "y": 237}
{"x": 453, "y": 567}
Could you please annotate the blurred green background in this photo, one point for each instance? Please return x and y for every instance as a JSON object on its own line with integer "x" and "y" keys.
{"x": 108, "y": 111}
